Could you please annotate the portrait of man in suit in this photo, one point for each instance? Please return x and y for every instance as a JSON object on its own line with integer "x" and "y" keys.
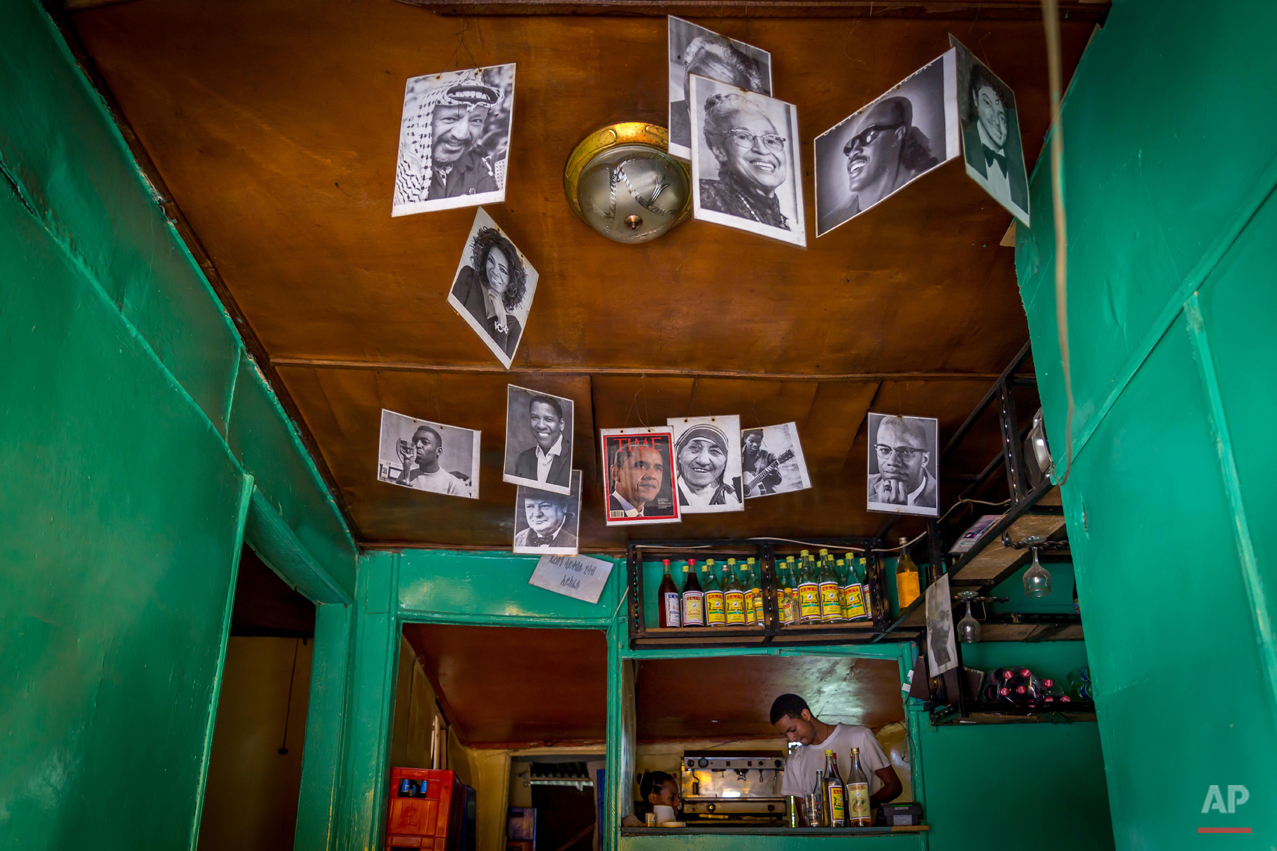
{"x": 901, "y": 473}
{"x": 538, "y": 440}
{"x": 547, "y": 523}
{"x": 991, "y": 135}
{"x": 641, "y": 481}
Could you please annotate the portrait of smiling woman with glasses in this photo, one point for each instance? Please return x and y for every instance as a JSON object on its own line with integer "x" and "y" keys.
{"x": 744, "y": 161}
{"x": 902, "y": 465}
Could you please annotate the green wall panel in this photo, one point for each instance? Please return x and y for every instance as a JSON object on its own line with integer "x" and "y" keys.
{"x": 1166, "y": 142}
{"x": 1015, "y": 786}
{"x": 266, "y": 443}
{"x": 119, "y": 534}
{"x": 487, "y": 586}
{"x": 88, "y": 192}
{"x": 1239, "y": 312}
{"x": 1168, "y": 623}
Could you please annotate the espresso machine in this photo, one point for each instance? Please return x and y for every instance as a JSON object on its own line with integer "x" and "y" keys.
{"x": 733, "y": 787}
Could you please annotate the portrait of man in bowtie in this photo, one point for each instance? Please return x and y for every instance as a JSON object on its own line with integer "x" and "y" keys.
{"x": 991, "y": 135}
{"x": 547, "y": 523}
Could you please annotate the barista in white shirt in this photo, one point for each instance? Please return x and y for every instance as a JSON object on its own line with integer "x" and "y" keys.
{"x": 792, "y": 717}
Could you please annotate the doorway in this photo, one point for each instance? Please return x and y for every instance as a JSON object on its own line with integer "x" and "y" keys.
{"x": 254, "y": 772}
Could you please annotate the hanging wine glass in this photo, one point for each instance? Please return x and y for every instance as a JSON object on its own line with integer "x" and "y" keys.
{"x": 1037, "y": 580}
{"x": 968, "y": 627}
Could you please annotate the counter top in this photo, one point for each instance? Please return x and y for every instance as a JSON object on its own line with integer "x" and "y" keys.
{"x": 749, "y": 830}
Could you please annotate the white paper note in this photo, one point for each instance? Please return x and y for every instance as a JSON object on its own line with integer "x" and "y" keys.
{"x": 580, "y": 577}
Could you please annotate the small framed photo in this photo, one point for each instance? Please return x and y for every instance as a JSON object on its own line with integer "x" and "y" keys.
{"x": 991, "y": 134}
{"x": 493, "y": 288}
{"x": 696, "y": 50}
{"x": 547, "y": 523}
{"x": 454, "y": 140}
{"x": 639, "y": 476}
{"x": 878, "y": 150}
{"x": 707, "y": 459}
{"x": 903, "y": 465}
{"x": 745, "y": 163}
{"x": 772, "y": 461}
{"x": 538, "y": 439}
{"x": 428, "y": 456}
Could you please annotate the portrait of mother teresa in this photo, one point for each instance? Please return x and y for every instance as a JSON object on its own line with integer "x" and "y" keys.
{"x": 701, "y": 457}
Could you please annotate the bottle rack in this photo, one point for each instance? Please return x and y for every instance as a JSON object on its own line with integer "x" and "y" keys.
{"x": 771, "y": 632}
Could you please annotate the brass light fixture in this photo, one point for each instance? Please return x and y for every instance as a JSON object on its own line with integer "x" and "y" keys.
{"x": 622, "y": 181}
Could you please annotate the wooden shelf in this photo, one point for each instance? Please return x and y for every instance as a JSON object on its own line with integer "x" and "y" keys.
{"x": 1003, "y": 713}
{"x": 746, "y": 830}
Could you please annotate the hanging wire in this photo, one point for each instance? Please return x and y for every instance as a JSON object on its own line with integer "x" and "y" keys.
{"x": 288, "y": 710}
{"x": 1051, "y": 19}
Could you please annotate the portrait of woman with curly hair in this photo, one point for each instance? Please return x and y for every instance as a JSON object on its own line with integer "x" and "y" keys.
{"x": 893, "y": 141}
{"x": 493, "y": 288}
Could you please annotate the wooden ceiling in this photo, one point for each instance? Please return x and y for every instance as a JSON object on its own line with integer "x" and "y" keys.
{"x": 730, "y": 698}
{"x": 274, "y": 126}
{"x": 516, "y": 687}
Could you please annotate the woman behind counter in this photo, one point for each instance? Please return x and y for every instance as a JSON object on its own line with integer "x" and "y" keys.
{"x": 657, "y": 789}
{"x": 492, "y": 286}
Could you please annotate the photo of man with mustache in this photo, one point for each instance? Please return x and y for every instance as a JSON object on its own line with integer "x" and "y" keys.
{"x": 901, "y": 450}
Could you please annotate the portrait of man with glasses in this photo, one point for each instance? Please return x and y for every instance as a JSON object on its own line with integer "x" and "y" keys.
{"x": 891, "y": 142}
{"x": 744, "y": 161}
{"x": 902, "y": 475}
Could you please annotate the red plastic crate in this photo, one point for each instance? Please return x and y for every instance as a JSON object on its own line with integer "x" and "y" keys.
{"x": 430, "y": 822}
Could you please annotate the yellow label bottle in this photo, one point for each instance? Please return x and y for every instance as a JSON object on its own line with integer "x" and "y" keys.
{"x": 853, "y": 597}
{"x": 733, "y": 594}
{"x": 714, "y": 613}
{"x": 808, "y": 592}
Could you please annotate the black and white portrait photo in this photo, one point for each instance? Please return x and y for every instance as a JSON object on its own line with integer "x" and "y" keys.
{"x": 772, "y": 460}
{"x": 991, "y": 134}
{"x": 903, "y": 470}
{"x": 696, "y": 50}
{"x": 538, "y": 439}
{"x": 745, "y": 168}
{"x": 942, "y": 652}
{"x": 903, "y": 465}
{"x": 454, "y": 140}
{"x": 493, "y": 288}
{"x": 707, "y": 459}
{"x": 428, "y": 456}
{"x": 547, "y": 523}
{"x": 639, "y": 477}
{"x": 888, "y": 144}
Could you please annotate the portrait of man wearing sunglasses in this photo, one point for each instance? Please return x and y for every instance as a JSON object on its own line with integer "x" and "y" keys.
{"x": 901, "y": 449}
{"x": 885, "y": 152}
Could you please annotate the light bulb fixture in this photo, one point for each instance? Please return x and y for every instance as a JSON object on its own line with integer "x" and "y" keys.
{"x": 1037, "y": 579}
{"x": 622, "y": 181}
{"x": 968, "y": 627}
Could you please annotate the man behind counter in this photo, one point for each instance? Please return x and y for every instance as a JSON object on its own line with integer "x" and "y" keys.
{"x": 792, "y": 717}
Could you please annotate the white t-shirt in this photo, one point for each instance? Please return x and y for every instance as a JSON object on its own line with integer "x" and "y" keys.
{"x": 804, "y": 762}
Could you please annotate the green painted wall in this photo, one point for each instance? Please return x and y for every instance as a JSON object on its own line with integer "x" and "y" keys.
{"x": 1171, "y": 160}
{"x": 132, "y": 428}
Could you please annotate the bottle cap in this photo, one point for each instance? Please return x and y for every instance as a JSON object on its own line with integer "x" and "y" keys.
{"x": 855, "y": 751}
{"x": 904, "y": 542}
{"x": 803, "y": 553}
{"x": 731, "y": 561}
{"x": 691, "y": 562}
{"x": 824, "y": 552}
{"x": 709, "y": 562}
{"x": 665, "y": 562}
{"x": 750, "y": 562}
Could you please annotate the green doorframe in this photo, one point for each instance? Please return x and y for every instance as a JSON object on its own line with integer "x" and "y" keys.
{"x": 240, "y": 525}
{"x": 490, "y": 589}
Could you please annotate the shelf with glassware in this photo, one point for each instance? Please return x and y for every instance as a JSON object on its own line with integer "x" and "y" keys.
{"x": 755, "y": 592}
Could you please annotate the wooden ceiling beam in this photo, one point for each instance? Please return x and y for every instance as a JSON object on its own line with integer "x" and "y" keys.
{"x": 1002, "y": 10}
{"x": 453, "y": 368}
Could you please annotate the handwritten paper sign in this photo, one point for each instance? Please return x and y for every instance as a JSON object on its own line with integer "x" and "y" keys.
{"x": 581, "y": 577}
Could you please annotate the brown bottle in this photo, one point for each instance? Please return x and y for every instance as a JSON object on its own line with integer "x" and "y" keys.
{"x": 668, "y": 600}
